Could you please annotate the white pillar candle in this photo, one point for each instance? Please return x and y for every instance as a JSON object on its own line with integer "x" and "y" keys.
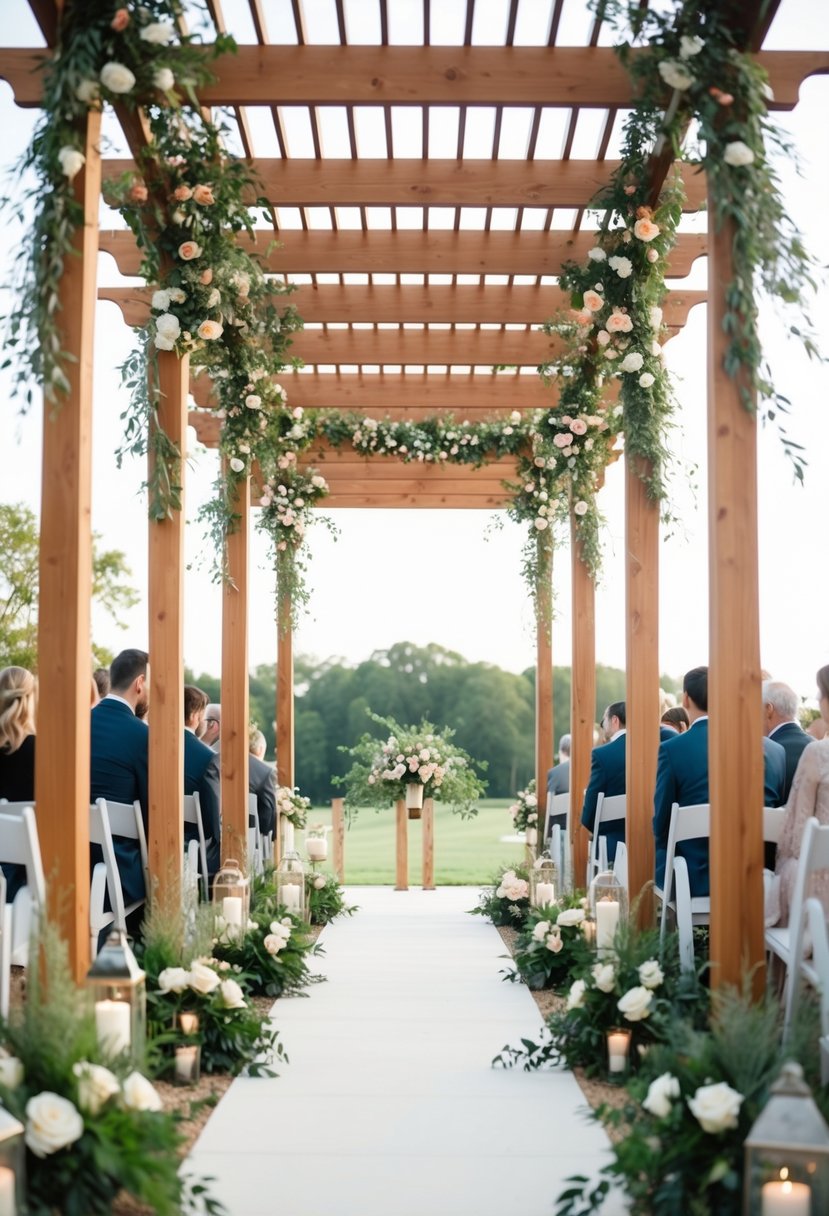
{"x": 545, "y": 894}
{"x": 8, "y": 1200}
{"x": 186, "y": 1057}
{"x": 291, "y": 897}
{"x": 531, "y": 837}
{"x": 618, "y": 1045}
{"x": 232, "y": 913}
{"x": 112, "y": 1026}
{"x": 607, "y": 919}
{"x": 786, "y": 1198}
{"x": 287, "y": 837}
{"x": 316, "y": 848}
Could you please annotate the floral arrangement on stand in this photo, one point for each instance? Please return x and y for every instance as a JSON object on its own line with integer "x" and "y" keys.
{"x": 551, "y": 947}
{"x": 411, "y": 755}
{"x": 524, "y": 812}
{"x": 292, "y": 806}
{"x": 506, "y": 901}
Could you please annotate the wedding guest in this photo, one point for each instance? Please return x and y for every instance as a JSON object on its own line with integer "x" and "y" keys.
{"x": 780, "y": 705}
{"x": 201, "y": 776}
{"x": 607, "y": 775}
{"x": 257, "y": 744}
{"x": 674, "y": 721}
{"x": 94, "y": 695}
{"x": 809, "y": 796}
{"x": 558, "y": 777}
{"x": 101, "y": 677}
{"x": 261, "y": 777}
{"x": 18, "y": 703}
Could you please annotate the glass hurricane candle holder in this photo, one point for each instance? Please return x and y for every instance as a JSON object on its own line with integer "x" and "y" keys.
{"x": 188, "y": 1023}
{"x": 609, "y": 906}
{"x": 12, "y": 1165}
{"x": 543, "y": 882}
{"x": 187, "y": 1069}
{"x": 618, "y": 1052}
{"x": 787, "y": 1153}
{"x": 316, "y": 844}
{"x": 231, "y": 900}
{"x": 588, "y": 928}
{"x": 118, "y": 990}
{"x": 291, "y": 891}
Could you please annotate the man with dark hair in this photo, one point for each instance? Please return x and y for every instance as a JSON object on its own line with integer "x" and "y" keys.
{"x": 201, "y": 775}
{"x": 682, "y": 777}
{"x": 118, "y": 757}
{"x": 607, "y": 775}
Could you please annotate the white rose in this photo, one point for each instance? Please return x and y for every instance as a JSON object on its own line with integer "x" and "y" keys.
{"x": 597, "y": 254}
{"x": 139, "y": 1094}
{"x": 164, "y": 80}
{"x": 253, "y": 402}
{"x": 540, "y": 930}
{"x": 651, "y": 974}
{"x": 604, "y": 976}
{"x": 716, "y": 1107}
{"x": 622, "y": 266}
{"x": 635, "y": 1005}
{"x": 660, "y": 1092}
{"x": 161, "y": 300}
{"x": 655, "y": 316}
{"x": 737, "y": 153}
{"x": 688, "y": 47}
{"x": 570, "y": 916}
{"x": 88, "y": 91}
{"x": 281, "y": 930}
{"x": 52, "y": 1123}
{"x": 232, "y": 995}
{"x": 203, "y": 979}
{"x": 96, "y": 1085}
{"x": 177, "y": 296}
{"x": 632, "y": 362}
{"x": 554, "y": 942}
{"x": 117, "y": 78}
{"x": 675, "y": 74}
{"x": 319, "y": 882}
{"x": 158, "y": 32}
{"x": 71, "y": 161}
{"x": 581, "y": 507}
{"x": 575, "y": 997}
{"x": 168, "y": 326}
{"x": 273, "y": 943}
{"x": 645, "y": 380}
{"x": 173, "y": 979}
{"x": 11, "y": 1071}
{"x": 162, "y": 343}
{"x": 235, "y": 463}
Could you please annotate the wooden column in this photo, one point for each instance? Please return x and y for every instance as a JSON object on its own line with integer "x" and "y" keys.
{"x": 401, "y": 882}
{"x": 165, "y": 595}
{"x": 285, "y": 693}
{"x": 428, "y": 825}
{"x": 582, "y": 700}
{"x": 642, "y": 698}
{"x": 235, "y": 705}
{"x": 735, "y": 756}
{"x": 544, "y": 748}
{"x": 64, "y": 666}
{"x": 338, "y": 835}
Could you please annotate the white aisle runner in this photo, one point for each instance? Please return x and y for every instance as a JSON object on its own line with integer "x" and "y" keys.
{"x": 389, "y": 1106}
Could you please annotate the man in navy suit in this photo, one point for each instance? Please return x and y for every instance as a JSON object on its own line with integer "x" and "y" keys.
{"x": 558, "y": 781}
{"x": 607, "y": 775}
{"x": 780, "y": 704}
{"x": 682, "y": 777}
{"x": 201, "y": 775}
{"x": 118, "y": 758}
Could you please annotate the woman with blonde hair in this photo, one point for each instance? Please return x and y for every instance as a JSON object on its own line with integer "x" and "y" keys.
{"x": 18, "y": 693}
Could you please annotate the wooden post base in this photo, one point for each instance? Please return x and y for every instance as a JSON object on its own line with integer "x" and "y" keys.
{"x": 428, "y": 845}
{"x": 338, "y": 838}
{"x": 402, "y": 872}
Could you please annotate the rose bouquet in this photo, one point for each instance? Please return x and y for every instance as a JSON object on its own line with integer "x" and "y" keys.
{"x": 524, "y": 810}
{"x": 421, "y": 755}
{"x": 292, "y": 806}
{"x": 551, "y": 946}
{"x": 507, "y": 901}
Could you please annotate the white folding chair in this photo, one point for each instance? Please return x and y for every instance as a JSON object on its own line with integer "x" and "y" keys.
{"x": 5, "y": 948}
{"x": 687, "y": 823}
{"x": 608, "y": 810}
{"x": 192, "y": 815}
{"x": 684, "y": 915}
{"x": 105, "y": 878}
{"x": 254, "y": 837}
{"x": 125, "y": 819}
{"x": 773, "y": 819}
{"x": 560, "y": 850}
{"x": 620, "y": 864}
{"x": 19, "y": 845}
{"x": 819, "y": 933}
{"x": 787, "y": 942}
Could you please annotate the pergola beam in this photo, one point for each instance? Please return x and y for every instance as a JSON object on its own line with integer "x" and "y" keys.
{"x": 433, "y": 75}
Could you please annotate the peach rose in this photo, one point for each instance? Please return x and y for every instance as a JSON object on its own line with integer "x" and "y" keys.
{"x": 188, "y": 250}
{"x": 120, "y": 21}
{"x": 583, "y": 318}
{"x": 209, "y": 331}
{"x": 578, "y": 426}
{"x": 206, "y": 277}
{"x": 182, "y": 193}
{"x": 203, "y": 195}
{"x": 138, "y": 193}
{"x": 645, "y": 230}
{"x": 593, "y": 302}
{"x": 619, "y": 323}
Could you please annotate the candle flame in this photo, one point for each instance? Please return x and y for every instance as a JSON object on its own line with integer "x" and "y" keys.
{"x": 784, "y": 1173}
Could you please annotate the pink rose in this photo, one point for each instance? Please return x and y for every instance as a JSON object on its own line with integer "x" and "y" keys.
{"x": 203, "y": 195}
{"x": 138, "y": 193}
{"x": 619, "y": 323}
{"x": 563, "y": 440}
{"x": 578, "y": 427}
{"x": 206, "y": 277}
{"x": 120, "y": 21}
{"x": 188, "y": 250}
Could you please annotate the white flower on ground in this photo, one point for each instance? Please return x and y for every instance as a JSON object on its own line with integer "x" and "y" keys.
{"x": 96, "y": 1085}
{"x": 575, "y": 997}
{"x": 716, "y": 1107}
{"x": 570, "y": 916}
{"x": 139, "y": 1094}
{"x": 203, "y": 979}
{"x": 52, "y": 1123}
{"x": 158, "y": 32}
{"x": 651, "y": 974}
{"x": 688, "y": 46}
{"x": 554, "y": 941}
{"x": 273, "y": 943}
{"x": 737, "y": 153}
{"x": 540, "y": 931}
{"x": 635, "y": 1005}
{"x": 117, "y": 78}
{"x": 632, "y": 362}
{"x": 675, "y": 74}
{"x": 604, "y": 976}
{"x": 11, "y": 1071}
{"x": 232, "y": 995}
{"x": 71, "y": 161}
{"x": 660, "y": 1093}
{"x": 173, "y": 979}
{"x": 164, "y": 80}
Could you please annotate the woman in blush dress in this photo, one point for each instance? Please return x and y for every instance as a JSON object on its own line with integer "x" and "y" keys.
{"x": 18, "y": 698}
{"x": 809, "y": 796}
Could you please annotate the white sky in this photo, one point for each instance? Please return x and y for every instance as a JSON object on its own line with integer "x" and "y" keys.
{"x": 434, "y": 576}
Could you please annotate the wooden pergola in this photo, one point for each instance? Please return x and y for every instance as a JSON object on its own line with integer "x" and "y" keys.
{"x": 406, "y": 312}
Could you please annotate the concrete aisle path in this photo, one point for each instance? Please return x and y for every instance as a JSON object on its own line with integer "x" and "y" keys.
{"x": 389, "y": 1106}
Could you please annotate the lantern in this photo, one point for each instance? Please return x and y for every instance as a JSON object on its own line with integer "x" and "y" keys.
{"x": 316, "y": 844}
{"x": 290, "y": 883}
{"x": 787, "y": 1153}
{"x": 12, "y": 1165}
{"x": 543, "y": 880}
{"x": 588, "y": 928}
{"x": 119, "y": 994}
{"x": 610, "y": 907}
{"x": 618, "y": 1053}
{"x": 231, "y": 900}
{"x": 188, "y": 1054}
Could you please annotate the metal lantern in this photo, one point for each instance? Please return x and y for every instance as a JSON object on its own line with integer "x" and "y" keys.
{"x": 618, "y": 1052}
{"x": 610, "y": 907}
{"x": 119, "y": 994}
{"x": 12, "y": 1165}
{"x": 231, "y": 900}
{"x": 543, "y": 882}
{"x": 787, "y": 1153}
{"x": 187, "y": 1054}
{"x": 290, "y": 884}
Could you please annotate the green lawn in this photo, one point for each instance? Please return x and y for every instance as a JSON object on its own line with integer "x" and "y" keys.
{"x": 467, "y": 851}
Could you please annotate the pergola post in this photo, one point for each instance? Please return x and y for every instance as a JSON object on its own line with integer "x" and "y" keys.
{"x": 165, "y": 594}
{"x": 544, "y": 750}
{"x": 285, "y": 693}
{"x": 642, "y": 692}
{"x": 235, "y": 691}
{"x": 63, "y": 639}
{"x": 582, "y": 698}
{"x": 735, "y": 755}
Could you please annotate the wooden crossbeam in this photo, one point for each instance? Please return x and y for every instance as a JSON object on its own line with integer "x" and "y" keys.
{"x": 434, "y": 75}
{"x": 436, "y": 183}
{"x": 494, "y": 305}
{"x": 408, "y": 252}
